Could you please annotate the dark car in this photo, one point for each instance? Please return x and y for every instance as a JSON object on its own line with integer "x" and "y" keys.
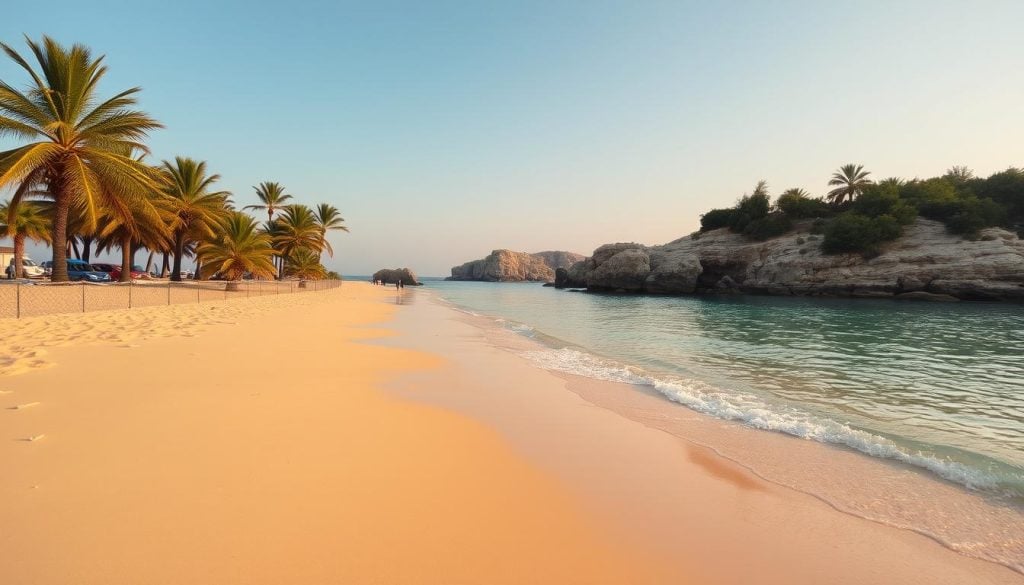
{"x": 79, "y": 270}
{"x": 114, "y": 270}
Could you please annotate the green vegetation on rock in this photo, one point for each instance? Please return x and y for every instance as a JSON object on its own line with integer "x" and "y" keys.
{"x": 859, "y": 215}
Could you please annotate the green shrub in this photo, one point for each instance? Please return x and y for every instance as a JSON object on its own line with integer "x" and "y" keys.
{"x": 768, "y": 227}
{"x": 750, "y": 208}
{"x": 798, "y": 206}
{"x": 1005, "y": 189}
{"x": 716, "y": 218}
{"x": 853, "y": 232}
{"x": 966, "y": 215}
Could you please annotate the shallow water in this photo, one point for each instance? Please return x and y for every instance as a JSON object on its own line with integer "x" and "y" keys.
{"x": 936, "y": 386}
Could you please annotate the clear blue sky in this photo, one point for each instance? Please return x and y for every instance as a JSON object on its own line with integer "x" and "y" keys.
{"x": 443, "y": 130}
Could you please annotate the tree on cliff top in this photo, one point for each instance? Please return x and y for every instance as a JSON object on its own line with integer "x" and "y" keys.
{"x": 849, "y": 182}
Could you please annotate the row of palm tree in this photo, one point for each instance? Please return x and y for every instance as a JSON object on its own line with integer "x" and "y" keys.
{"x": 80, "y": 174}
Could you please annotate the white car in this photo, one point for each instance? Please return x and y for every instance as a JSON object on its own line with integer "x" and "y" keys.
{"x": 28, "y": 268}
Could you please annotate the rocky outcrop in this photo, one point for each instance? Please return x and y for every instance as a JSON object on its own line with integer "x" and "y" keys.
{"x": 926, "y": 263}
{"x": 393, "y": 275}
{"x": 509, "y": 266}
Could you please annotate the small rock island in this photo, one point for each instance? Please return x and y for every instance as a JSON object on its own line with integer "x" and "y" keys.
{"x": 510, "y": 266}
{"x": 393, "y": 275}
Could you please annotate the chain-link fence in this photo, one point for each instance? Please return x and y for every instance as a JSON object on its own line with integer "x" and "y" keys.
{"x": 30, "y": 299}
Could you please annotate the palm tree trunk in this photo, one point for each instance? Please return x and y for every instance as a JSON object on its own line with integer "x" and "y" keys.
{"x": 179, "y": 251}
{"x": 19, "y": 252}
{"x": 60, "y": 238}
{"x": 126, "y": 259}
{"x": 149, "y": 262}
{"x": 165, "y": 267}
{"x": 74, "y": 248}
{"x": 86, "y": 245}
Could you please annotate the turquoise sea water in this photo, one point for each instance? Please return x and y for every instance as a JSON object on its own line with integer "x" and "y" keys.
{"x": 936, "y": 386}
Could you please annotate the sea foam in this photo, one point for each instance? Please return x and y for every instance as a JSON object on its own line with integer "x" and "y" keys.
{"x": 758, "y": 413}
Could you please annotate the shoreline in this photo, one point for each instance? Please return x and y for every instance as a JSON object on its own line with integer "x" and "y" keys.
{"x": 728, "y": 442}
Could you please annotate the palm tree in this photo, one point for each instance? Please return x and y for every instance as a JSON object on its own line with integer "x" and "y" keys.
{"x": 959, "y": 174}
{"x": 761, "y": 189}
{"x": 892, "y": 182}
{"x": 850, "y": 180}
{"x": 239, "y": 248}
{"x": 796, "y": 192}
{"x": 328, "y": 218}
{"x": 30, "y": 221}
{"x": 305, "y": 264}
{"x": 195, "y": 210}
{"x": 78, "y": 146}
{"x": 117, "y": 233}
{"x": 272, "y": 196}
{"x": 296, "y": 229}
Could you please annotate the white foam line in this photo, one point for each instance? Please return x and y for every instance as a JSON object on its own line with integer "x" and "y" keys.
{"x": 756, "y": 413}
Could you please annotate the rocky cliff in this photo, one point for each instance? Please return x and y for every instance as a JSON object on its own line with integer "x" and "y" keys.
{"x": 393, "y": 275}
{"x": 509, "y": 266}
{"x": 927, "y": 262}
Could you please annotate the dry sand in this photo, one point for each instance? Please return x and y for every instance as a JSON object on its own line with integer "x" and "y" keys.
{"x": 246, "y": 442}
{"x": 289, "y": 440}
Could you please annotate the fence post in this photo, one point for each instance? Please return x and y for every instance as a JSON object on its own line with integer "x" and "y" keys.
{"x": 83, "y": 296}
{"x": 18, "y": 310}
{"x": 130, "y": 285}
{"x": 168, "y": 293}
{"x": 225, "y": 291}
{"x": 198, "y": 300}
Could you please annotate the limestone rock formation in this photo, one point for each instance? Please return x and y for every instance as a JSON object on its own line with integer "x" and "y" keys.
{"x": 926, "y": 259}
{"x": 509, "y": 266}
{"x": 393, "y": 275}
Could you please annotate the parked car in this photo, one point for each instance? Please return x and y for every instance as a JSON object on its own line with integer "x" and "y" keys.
{"x": 29, "y": 268}
{"x": 104, "y": 267}
{"x": 79, "y": 270}
{"x": 47, "y": 267}
{"x": 114, "y": 270}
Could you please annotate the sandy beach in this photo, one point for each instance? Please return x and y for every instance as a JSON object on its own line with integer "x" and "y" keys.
{"x": 365, "y": 436}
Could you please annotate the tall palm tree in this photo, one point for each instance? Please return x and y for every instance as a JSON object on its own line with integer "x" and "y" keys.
{"x": 849, "y": 181}
{"x": 78, "y": 146}
{"x": 272, "y": 198}
{"x": 195, "y": 209}
{"x": 31, "y": 221}
{"x": 305, "y": 264}
{"x": 296, "y": 229}
{"x": 238, "y": 248}
{"x": 328, "y": 218}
